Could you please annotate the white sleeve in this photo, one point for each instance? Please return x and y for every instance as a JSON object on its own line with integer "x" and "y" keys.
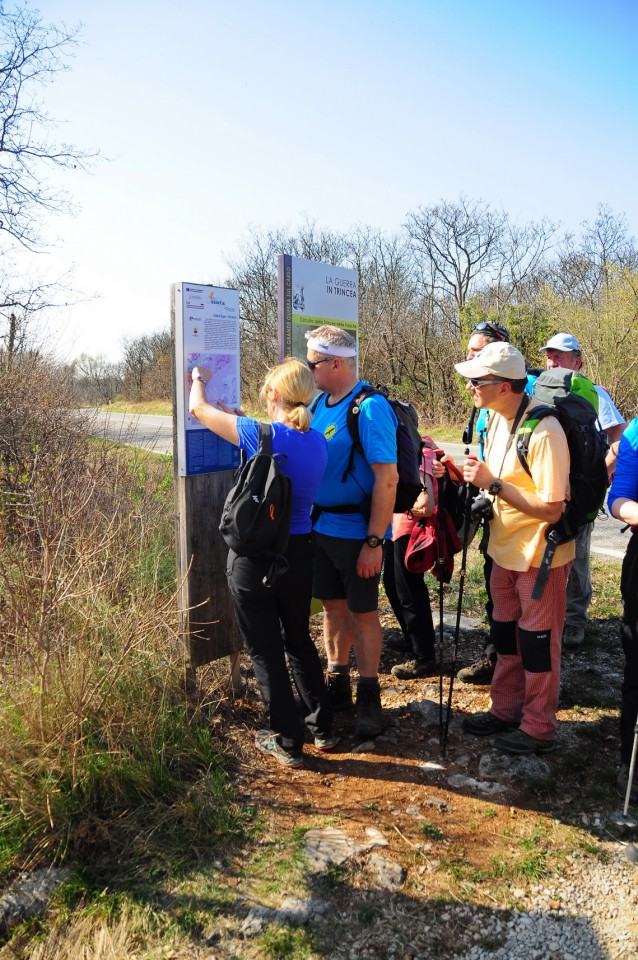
{"x": 608, "y": 415}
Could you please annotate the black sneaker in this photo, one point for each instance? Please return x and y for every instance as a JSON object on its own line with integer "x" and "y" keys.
{"x": 480, "y": 672}
{"x": 369, "y": 713}
{"x": 486, "y": 724}
{"x": 340, "y": 690}
{"x": 518, "y": 743}
{"x": 413, "y": 669}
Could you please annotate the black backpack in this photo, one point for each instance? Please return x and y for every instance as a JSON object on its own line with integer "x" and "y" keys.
{"x": 256, "y": 516}
{"x": 587, "y": 445}
{"x": 409, "y": 452}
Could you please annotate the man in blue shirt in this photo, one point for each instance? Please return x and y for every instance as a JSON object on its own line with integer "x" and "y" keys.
{"x": 355, "y": 512}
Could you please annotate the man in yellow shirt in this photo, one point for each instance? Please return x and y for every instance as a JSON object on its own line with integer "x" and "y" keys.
{"x": 527, "y": 633}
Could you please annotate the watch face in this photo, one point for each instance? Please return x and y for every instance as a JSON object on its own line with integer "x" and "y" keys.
{"x": 373, "y": 541}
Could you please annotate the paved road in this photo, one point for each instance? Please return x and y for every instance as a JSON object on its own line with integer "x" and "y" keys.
{"x": 151, "y": 432}
{"x": 156, "y": 433}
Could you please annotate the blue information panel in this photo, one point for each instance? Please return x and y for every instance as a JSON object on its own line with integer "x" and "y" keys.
{"x": 206, "y": 323}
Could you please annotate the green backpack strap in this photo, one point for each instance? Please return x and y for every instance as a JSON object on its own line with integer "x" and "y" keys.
{"x": 526, "y": 430}
{"x": 583, "y": 387}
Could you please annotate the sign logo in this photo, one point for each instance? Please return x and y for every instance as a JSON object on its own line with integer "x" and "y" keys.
{"x": 330, "y": 431}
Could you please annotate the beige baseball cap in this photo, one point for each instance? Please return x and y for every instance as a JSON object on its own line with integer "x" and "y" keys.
{"x": 495, "y": 359}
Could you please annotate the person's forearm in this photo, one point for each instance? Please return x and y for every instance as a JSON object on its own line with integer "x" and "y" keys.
{"x": 221, "y": 423}
{"x": 382, "y": 505}
{"x": 531, "y": 505}
{"x": 477, "y": 472}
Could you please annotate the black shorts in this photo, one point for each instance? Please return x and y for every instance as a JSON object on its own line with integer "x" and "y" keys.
{"x": 335, "y": 574}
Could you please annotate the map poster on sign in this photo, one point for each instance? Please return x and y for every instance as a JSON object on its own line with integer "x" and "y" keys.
{"x": 206, "y": 334}
{"x": 310, "y": 294}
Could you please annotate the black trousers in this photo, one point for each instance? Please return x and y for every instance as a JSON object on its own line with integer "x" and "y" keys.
{"x": 273, "y": 622}
{"x": 629, "y": 638}
{"x": 409, "y": 599}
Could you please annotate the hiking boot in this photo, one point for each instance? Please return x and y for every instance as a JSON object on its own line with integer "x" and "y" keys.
{"x": 268, "y": 743}
{"x": 413, "y": 669}
{"x": 621, "y": 784}
{"x": 340, "y": 690}
{"x": 520, "y": 743}
{"x": 573, "y": 635}
{"x": 326, "y": 743}
{"x": 486, "y": 724}
{"x": 480, "y": 672}
{"x": 369, "y": 714}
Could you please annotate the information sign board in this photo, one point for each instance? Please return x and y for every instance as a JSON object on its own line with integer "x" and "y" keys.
{"x": 311, "y": 294}
{"x": 206, "y": 334}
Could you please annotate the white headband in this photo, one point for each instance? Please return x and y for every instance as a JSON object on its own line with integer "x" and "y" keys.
{"x": 319, "y": 347}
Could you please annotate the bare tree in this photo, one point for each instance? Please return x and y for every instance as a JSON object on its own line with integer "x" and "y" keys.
{"x": 460, "y": 244}
{"x": 586, "y": 265}
{"x": 147, "y": 366}
{"x": 31, "y": 53}
{"x": 97, "y": 379}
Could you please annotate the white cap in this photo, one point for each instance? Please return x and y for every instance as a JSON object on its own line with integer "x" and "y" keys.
{"x": 499, "y": 359}
{"x": 565, "y": 342}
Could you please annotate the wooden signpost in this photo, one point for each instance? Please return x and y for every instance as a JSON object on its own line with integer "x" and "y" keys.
{"x": 205, "y": 324}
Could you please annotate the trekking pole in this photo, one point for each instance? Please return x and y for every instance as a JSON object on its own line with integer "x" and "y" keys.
{"x": 468, "y": 433}
{"x": 457, "y": 628}
{"x": 440, "y": 560}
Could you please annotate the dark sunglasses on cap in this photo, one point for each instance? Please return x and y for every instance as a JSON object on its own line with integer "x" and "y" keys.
{"x": 311, "y": 364}
{"x": 491, "y": 330}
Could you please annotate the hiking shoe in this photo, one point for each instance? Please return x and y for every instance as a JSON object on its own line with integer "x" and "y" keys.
{"x": 520, "y": 743}
{"x": 573, "y": 636}
{"x": 480, "y": 672}
{"x": 267, "y": 742}
{"x": 326, "y": 743}
{"x": 413, "y": 669}
{"x": 621, "y": 784}
{"x": 486, "y": 724}
{"x": 369, "y": 714}
{"x": 340, "y": 690}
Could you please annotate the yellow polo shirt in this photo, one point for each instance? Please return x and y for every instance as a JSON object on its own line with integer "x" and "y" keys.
{"x": 517, "y": 542}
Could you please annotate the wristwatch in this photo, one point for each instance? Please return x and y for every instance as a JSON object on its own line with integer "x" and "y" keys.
{"x": 495, "y": 487}
{"x": 373, "y": 541}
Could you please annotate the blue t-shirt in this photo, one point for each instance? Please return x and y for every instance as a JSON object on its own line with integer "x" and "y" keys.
{"x": 303, "y": 459}
{"x": 377, "y": 432}
{"x": 625, "y": 482}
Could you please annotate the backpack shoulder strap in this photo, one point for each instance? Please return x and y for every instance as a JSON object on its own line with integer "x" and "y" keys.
{"x": 265, "y": 438}
{"x": 529, "y": 424}
{"x": 352, "y": 422}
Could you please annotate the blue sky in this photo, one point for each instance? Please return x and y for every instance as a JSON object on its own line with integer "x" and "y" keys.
{"x": 217, "y": 116}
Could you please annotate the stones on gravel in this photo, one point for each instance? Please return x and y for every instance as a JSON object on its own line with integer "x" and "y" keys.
{"x": 293, "y": 911}
{"x": 493, "y": 766}
{"x": 488, "y": 787}
{"x": 387, "y": 874}
{"x": 330, "y": 846}
{"x": 29, "y": 895}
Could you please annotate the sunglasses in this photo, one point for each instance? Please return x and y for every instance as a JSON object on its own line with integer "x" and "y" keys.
{"x": 482, "y": 383}
{"x": 311, "y": 364}
{"x": 485, "y": 327}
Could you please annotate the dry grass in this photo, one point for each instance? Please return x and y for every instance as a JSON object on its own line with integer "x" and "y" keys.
{"x": 99, "y": 748}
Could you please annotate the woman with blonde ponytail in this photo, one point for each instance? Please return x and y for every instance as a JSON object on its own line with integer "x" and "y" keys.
{"x": 273, "y": 620}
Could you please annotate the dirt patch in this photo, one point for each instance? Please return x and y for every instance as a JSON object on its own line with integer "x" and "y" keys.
{"x": 469, "y": 832}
